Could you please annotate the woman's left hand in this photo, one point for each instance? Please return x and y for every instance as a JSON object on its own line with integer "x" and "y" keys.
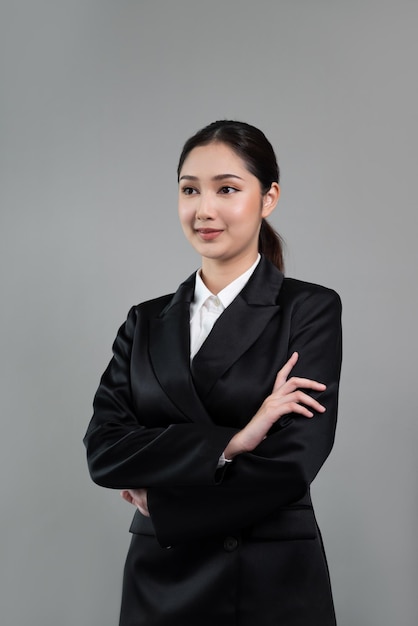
{"x": 137, "y": 497}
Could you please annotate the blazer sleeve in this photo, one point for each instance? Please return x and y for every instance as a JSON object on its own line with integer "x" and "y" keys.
{"x": 279, "y": 471}
{"x": 122, "y": 453}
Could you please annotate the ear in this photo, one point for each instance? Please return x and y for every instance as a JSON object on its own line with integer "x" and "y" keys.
{"x": 270, "y": 199}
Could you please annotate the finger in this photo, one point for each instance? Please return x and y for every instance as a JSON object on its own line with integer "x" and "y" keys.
{"x": 302, "y": 410}
{"x": 276, "y": 407}
{"x": 137, "y": 493}
{"x": 303, "y": 399}
{"x": 300, "y": 383}
{"x": 126, "y": 496}
{"x": 142, "y": 506}
{"x": 143, "y": 510}
{"x": 284, "y": 372}
{"x": 140, "y": 500}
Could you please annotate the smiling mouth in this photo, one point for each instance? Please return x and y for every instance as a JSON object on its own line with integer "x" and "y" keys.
{"x": 208, "y": 233}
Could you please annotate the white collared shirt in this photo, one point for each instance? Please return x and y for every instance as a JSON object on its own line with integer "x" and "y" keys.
{"x": 206, "y": 307}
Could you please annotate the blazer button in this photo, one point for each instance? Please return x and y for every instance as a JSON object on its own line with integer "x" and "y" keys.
{"x": 230, "y": 544}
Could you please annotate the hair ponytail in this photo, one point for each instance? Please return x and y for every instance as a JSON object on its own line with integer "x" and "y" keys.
{"x": 271, "y": 245}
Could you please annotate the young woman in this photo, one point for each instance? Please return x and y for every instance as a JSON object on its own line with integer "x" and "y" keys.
{"x": 219, "y": 408}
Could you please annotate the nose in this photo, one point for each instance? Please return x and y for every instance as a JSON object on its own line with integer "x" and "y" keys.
{"x": 206, "y": 209}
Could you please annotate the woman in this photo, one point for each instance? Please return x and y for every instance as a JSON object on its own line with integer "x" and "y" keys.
{"x": 219, "y": 408}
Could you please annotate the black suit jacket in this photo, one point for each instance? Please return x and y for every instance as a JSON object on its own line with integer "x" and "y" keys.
{"x": 162, "y": 424}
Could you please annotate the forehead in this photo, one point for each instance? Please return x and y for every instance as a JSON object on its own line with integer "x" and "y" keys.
{"x": 213, "y": 159}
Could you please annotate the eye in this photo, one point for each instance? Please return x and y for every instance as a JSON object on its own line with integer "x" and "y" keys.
{"x": 227, "y": 189}
{"x": 188, "y": 191}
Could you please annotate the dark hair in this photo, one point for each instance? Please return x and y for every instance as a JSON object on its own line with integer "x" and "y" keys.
{"x": 251, "y": 144}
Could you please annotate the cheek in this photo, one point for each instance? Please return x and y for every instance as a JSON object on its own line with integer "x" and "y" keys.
{"x": 187, "y": 223}
{"x": 246, "y": 217}
{"x": 185, "y": 213}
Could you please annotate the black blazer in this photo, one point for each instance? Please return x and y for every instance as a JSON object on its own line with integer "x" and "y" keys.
{"x": 162, "y": 424}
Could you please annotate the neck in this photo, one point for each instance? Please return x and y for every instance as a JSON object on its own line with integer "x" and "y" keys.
{"x": 218, "y": 274}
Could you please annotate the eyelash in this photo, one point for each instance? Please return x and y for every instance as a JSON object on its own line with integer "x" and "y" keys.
{"x": 228, "y": 187}
{"x": 190, "y": 191}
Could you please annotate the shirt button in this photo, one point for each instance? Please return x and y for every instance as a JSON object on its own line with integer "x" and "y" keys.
{"x": 216, "y": 301}
{"x": 230, "y": 544}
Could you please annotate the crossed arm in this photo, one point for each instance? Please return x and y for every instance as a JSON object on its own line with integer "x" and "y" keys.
{"x": 286, "y": 397}
{"x": 183, "y": 496}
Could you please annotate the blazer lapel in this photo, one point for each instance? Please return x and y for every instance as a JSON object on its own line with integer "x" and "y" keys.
{"x": 170, "y": 353}
{"x": 239, "y": 326}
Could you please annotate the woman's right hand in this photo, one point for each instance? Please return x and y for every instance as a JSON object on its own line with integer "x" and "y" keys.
{"x": 287, "y": 397}
{"x": 137, "y": 497}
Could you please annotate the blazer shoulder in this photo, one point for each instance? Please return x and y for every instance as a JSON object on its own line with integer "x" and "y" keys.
{"x": 297, "y": 291}
{"x": 153, "y": 307}
{"x": 162, "y": 304}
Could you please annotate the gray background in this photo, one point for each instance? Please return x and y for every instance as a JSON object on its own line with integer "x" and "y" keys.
{"x": 97, "y": 98}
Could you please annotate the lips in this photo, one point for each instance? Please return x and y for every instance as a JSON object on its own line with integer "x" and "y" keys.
{"x": 208, "y": 233}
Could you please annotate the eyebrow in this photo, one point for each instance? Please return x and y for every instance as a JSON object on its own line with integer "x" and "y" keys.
{"x": 217, "y": 177}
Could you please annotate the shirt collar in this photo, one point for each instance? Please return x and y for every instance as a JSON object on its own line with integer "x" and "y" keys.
{"x": 226, "y": 295}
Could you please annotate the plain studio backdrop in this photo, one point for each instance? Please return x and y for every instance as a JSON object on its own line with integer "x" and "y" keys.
{"x": 97, "y": 98}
